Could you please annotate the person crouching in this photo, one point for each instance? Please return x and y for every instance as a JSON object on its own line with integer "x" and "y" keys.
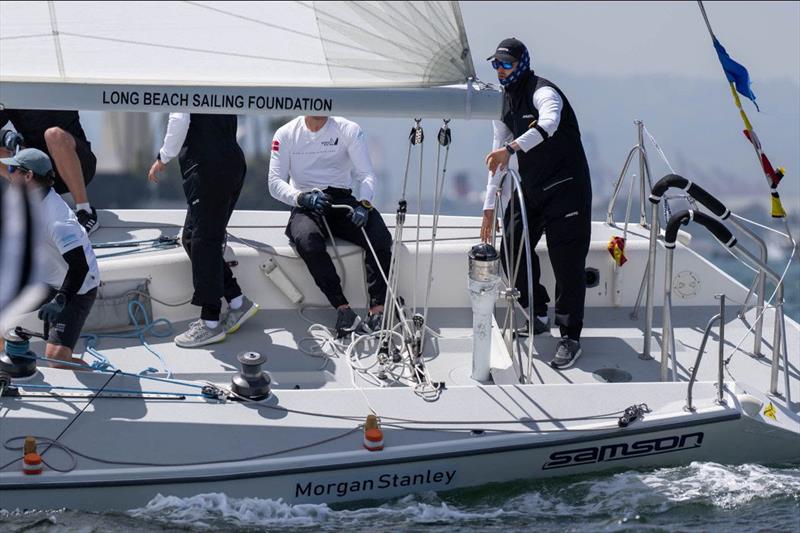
{"x": 70, "y": 265}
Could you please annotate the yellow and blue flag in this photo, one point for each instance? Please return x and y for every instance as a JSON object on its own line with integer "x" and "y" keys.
{"x": 735, "y": 72}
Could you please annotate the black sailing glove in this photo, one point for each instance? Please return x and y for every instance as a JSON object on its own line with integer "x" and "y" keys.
{"x": 11, "y": 140}
{"x": 50, "y": 311}
{"x": 359, "y": 216}
{"x": 316, "y": 201}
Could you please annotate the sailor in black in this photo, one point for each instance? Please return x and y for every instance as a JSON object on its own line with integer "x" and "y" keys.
{"x": 539, "y": 126}
{"x": 59, "y": 135}
{"x": 213, "y": 169}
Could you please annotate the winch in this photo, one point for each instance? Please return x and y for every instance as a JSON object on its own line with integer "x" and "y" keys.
{"x": 484, "y": 268}
{"x": 16, "y": 359}
{"x": 252, "y": 382}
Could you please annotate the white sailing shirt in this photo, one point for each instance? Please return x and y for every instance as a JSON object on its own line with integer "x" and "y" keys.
{"x": 549, "y": 104}
{"x": 177, "y": 128}
{"x": 63, "y": 233}
{"x": 334, "y": 156}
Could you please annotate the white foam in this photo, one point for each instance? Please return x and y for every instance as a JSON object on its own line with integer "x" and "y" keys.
{"x": 627, "y": 493}
{"x": 204, "y": 510}
{"x": 724, "y": 486}
{"x": 623, "y": 495}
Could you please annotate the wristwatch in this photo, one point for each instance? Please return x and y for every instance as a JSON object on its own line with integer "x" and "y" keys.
{"x": 510, "y": 149}
{"x": 366, "y": 204}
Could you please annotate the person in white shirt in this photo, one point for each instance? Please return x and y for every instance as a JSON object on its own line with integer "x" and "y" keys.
{"x": 539, "y": 129}
{"x": 70, "y": 266}
{"x": 312, "y": 165}
{"x": 213, "y": 169}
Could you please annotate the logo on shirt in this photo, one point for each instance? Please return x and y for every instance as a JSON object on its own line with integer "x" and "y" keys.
{"x": 276, "y": 146}
{"x": 331, "y": 142}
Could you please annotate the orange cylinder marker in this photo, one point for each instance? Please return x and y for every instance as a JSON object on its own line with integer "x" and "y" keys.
{"x": 373, "y": 436}
{"x": 32, "y": 463}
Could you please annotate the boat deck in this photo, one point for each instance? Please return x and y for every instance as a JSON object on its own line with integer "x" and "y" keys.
{"x": 612, "y": 341}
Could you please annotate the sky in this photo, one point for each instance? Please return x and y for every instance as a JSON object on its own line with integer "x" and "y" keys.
{"x": 641, "y": 38}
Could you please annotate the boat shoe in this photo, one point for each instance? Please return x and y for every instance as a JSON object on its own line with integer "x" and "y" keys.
{"x": 234, "y": 318}
{"x": 373, "y": 322}
{"x": 347, "y": 321}
{"x": 200, "y": 334}
{"x": 567, "y": 352}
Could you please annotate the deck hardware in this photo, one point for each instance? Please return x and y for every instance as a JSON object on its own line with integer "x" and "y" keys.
{"x": 484, "y": 277}
{"x": 276, "y": 275}
{"x": 16, "y": 359}
{"x": 720, "y": 317}
{"x": 592, "y": 277}
{"x": 213, "y": 393}
{"x": 719, "y": 210}
{"x": 32, "y": 464}
{"x": 373, "y": 435}
{"x": 518, "y": 247}
{"x": 251, "y": 382}
{"x": 632, "y": 413}
{"x": 31, "y": 460}
{"x": 612, "y": 375}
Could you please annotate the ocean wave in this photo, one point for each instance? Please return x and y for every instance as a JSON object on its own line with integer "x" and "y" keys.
{"x": 618, "y": 498}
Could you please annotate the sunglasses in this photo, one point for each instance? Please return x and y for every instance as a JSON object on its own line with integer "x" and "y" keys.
{"x": 14, "y": 168}
{"x": 505, "y": 64}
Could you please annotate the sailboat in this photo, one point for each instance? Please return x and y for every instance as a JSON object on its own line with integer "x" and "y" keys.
{"x": 449, "y": 396}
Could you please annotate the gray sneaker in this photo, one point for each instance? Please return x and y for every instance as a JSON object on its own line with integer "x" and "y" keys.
{"x": 567, "y": 352}
{"x": 199, "y": 335}
{"x": 234, "y": 318}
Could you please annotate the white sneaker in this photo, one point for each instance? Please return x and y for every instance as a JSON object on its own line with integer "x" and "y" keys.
{"x": 234, "y": 318}
{"x": 200, "y": 334}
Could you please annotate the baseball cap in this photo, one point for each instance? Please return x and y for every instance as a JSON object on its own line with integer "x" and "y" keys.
{"x": 32, "y": 159}
{"x": 510, "y": 50}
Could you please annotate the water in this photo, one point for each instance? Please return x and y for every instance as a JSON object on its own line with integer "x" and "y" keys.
{"x": 699, "y": 496}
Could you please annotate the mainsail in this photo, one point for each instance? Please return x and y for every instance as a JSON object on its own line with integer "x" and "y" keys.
{"x": 354, "y": 58}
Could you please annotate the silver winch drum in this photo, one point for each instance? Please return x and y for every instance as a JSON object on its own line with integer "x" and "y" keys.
{"x": 484, "y": 263}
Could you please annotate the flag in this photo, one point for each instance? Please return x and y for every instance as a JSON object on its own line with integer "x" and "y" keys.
{"x": 616, "y": 247}
{"x": 735, "y": 72}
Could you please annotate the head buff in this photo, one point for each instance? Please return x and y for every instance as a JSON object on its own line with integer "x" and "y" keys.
{"x": 523, "y": 65}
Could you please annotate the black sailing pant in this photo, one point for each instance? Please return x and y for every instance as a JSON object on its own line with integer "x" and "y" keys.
{"x": 308, "y": 234}
{"x": 561, "y": 208}
{"x": 211, "y": 194}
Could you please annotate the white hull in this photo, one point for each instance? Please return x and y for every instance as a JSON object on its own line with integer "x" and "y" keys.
{"x": 724, "y": 434}
{"x": 307, "y": 433}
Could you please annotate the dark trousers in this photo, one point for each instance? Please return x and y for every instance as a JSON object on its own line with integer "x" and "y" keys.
{"x": 211, "y": 194}
{"x": 561, "y": 208}
{"x": 308, "y": 234}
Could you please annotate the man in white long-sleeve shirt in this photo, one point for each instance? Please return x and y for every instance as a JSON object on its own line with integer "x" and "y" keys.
{"x": 312, "y": 165}
{"x": 540, "y": 130}
{"x": 213, "y": 169}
